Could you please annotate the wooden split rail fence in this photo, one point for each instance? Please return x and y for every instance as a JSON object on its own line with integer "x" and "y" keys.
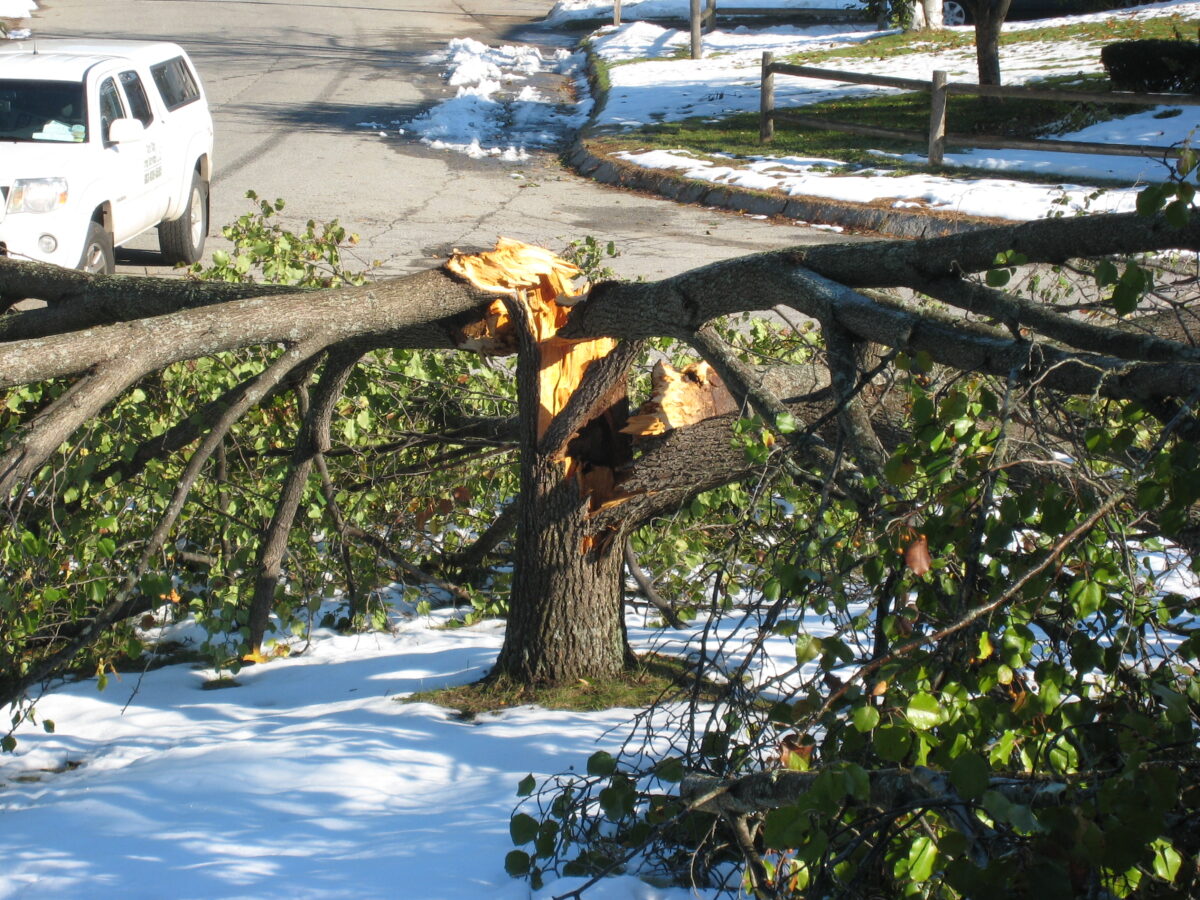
{"x": 939, "y": 89}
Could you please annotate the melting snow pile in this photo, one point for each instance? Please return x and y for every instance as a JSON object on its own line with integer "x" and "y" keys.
{"x": 497, "y": 111}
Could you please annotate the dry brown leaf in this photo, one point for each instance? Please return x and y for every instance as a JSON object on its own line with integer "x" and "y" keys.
{"x": 916, "y": 555}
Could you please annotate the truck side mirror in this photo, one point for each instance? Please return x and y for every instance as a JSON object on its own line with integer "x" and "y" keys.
{"x": 126, "y": 131}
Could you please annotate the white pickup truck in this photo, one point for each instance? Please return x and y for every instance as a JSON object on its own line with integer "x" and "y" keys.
{"x": 100, "y": 141}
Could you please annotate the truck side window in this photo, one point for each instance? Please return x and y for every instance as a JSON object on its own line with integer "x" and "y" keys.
{"x": 175, "y": 83}
{"x": 136, "y": 95}
{"x": 111, "y": 107}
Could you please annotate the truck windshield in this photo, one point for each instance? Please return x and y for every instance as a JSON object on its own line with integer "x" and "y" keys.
{"x": 42, "y": 111}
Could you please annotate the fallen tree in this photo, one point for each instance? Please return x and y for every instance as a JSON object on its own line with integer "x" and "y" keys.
{"x": 960, "y": 454}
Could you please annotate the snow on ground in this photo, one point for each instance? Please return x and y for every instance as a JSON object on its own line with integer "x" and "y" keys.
{"x": 812, "y": 178}
{"x": 498, "y": 113}
{"x": 307, "y": 780}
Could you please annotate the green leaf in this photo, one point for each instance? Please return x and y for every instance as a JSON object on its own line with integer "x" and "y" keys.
{"x": 526, "y": 786}
{"x": 547, "y": 839}
{"x": 1187, "y": 161}
{"x": 970, "y": 774}
{"x": 1106, "y": 273}
{"x": 786, "y": 827}
{"x": 785, "y": 423}
{"x": 617, "y": 800}
{"x": 921, "y": 857}
{"x": 1166, "y": 860}
{"x": 517, "y": 863}
{"x": 892, "y": 742}
{"x": 1023, "y": 819}
{"x": 1086, "y": 596}
{"x": 8, "y": 743}
{"x": 899, "y": 470}
{"x": 1177, "y": 212}
{"x": 670, "y": 769}
{"x": 1151, "y": 199}
{"x": 523, "y": 828}
{"x": 998, "y": 277}
{"x": 924, "y": 712}
{"x": 865, "y": 718}
{"x": 601, "y": 764}
{"x": 808, "y": 648}
{"x": 48, "y": 726}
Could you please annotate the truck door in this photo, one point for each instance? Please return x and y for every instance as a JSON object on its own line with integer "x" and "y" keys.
{"x": 156, "y": 194}
{"x": 124, "y": 166}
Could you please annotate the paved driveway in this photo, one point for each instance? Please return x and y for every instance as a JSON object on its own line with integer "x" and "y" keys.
{"x": 290, "y": 83}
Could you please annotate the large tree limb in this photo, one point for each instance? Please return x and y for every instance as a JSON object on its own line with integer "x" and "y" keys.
{"x": 78, "y": 300}
{"x": 1016, "y": 313}
{"x": 419, "y": 311}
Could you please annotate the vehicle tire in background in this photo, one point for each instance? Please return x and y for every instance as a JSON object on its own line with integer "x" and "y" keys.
{"x": 182, "y": 240}
{"x": 98, "y": 257}
{"x": 954, "y": 13}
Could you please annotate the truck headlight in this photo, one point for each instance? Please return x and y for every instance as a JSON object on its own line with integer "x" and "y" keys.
{"x": 37, "y": 195}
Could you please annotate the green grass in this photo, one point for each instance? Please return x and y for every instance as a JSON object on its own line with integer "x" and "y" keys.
{"x": 634, "y": 689}
{"x": 738, "y": 134}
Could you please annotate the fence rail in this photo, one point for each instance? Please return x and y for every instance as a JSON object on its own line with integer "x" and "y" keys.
{"x": 939, "y": 89}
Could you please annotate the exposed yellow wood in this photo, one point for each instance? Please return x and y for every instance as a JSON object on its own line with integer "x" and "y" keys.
{"x": 538, "y": 278}
{"x": 680, "y": 397}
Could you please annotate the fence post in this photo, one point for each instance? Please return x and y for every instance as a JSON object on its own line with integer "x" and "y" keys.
{"x": 937, "y": 119}
{"x": 697, "y": 44}
{"x": 616, "y": 13}
{"x": 766, "y": 106}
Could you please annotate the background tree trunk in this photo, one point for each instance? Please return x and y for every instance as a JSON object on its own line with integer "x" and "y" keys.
{"x": 927, "y": 15}
{"x": 989, "y": 17}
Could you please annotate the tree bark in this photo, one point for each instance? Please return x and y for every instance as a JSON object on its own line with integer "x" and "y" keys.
{"x": 989, "y": 18}
{"x": 564, "y": 620}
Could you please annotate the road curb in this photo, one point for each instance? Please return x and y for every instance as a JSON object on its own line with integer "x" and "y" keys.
{"x": 593, "y": 162}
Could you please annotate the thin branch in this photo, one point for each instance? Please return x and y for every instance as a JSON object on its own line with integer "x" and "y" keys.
{"x": 646, "y": 586}
{"x": 311, "y": 439}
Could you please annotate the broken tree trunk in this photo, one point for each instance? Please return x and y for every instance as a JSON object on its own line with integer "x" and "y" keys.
{"x": 565, "y": 610}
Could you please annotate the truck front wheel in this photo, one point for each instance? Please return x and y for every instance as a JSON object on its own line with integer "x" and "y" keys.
{"x": 97, "y": 255}
{"x": 182, "y": 240}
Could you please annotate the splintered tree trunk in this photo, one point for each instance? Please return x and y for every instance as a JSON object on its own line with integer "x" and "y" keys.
{"x": 564, "y": 618}
{"x": 565, "y": 609}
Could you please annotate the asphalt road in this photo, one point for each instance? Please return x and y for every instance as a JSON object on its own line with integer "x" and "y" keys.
{"x": 290, "y": 81}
